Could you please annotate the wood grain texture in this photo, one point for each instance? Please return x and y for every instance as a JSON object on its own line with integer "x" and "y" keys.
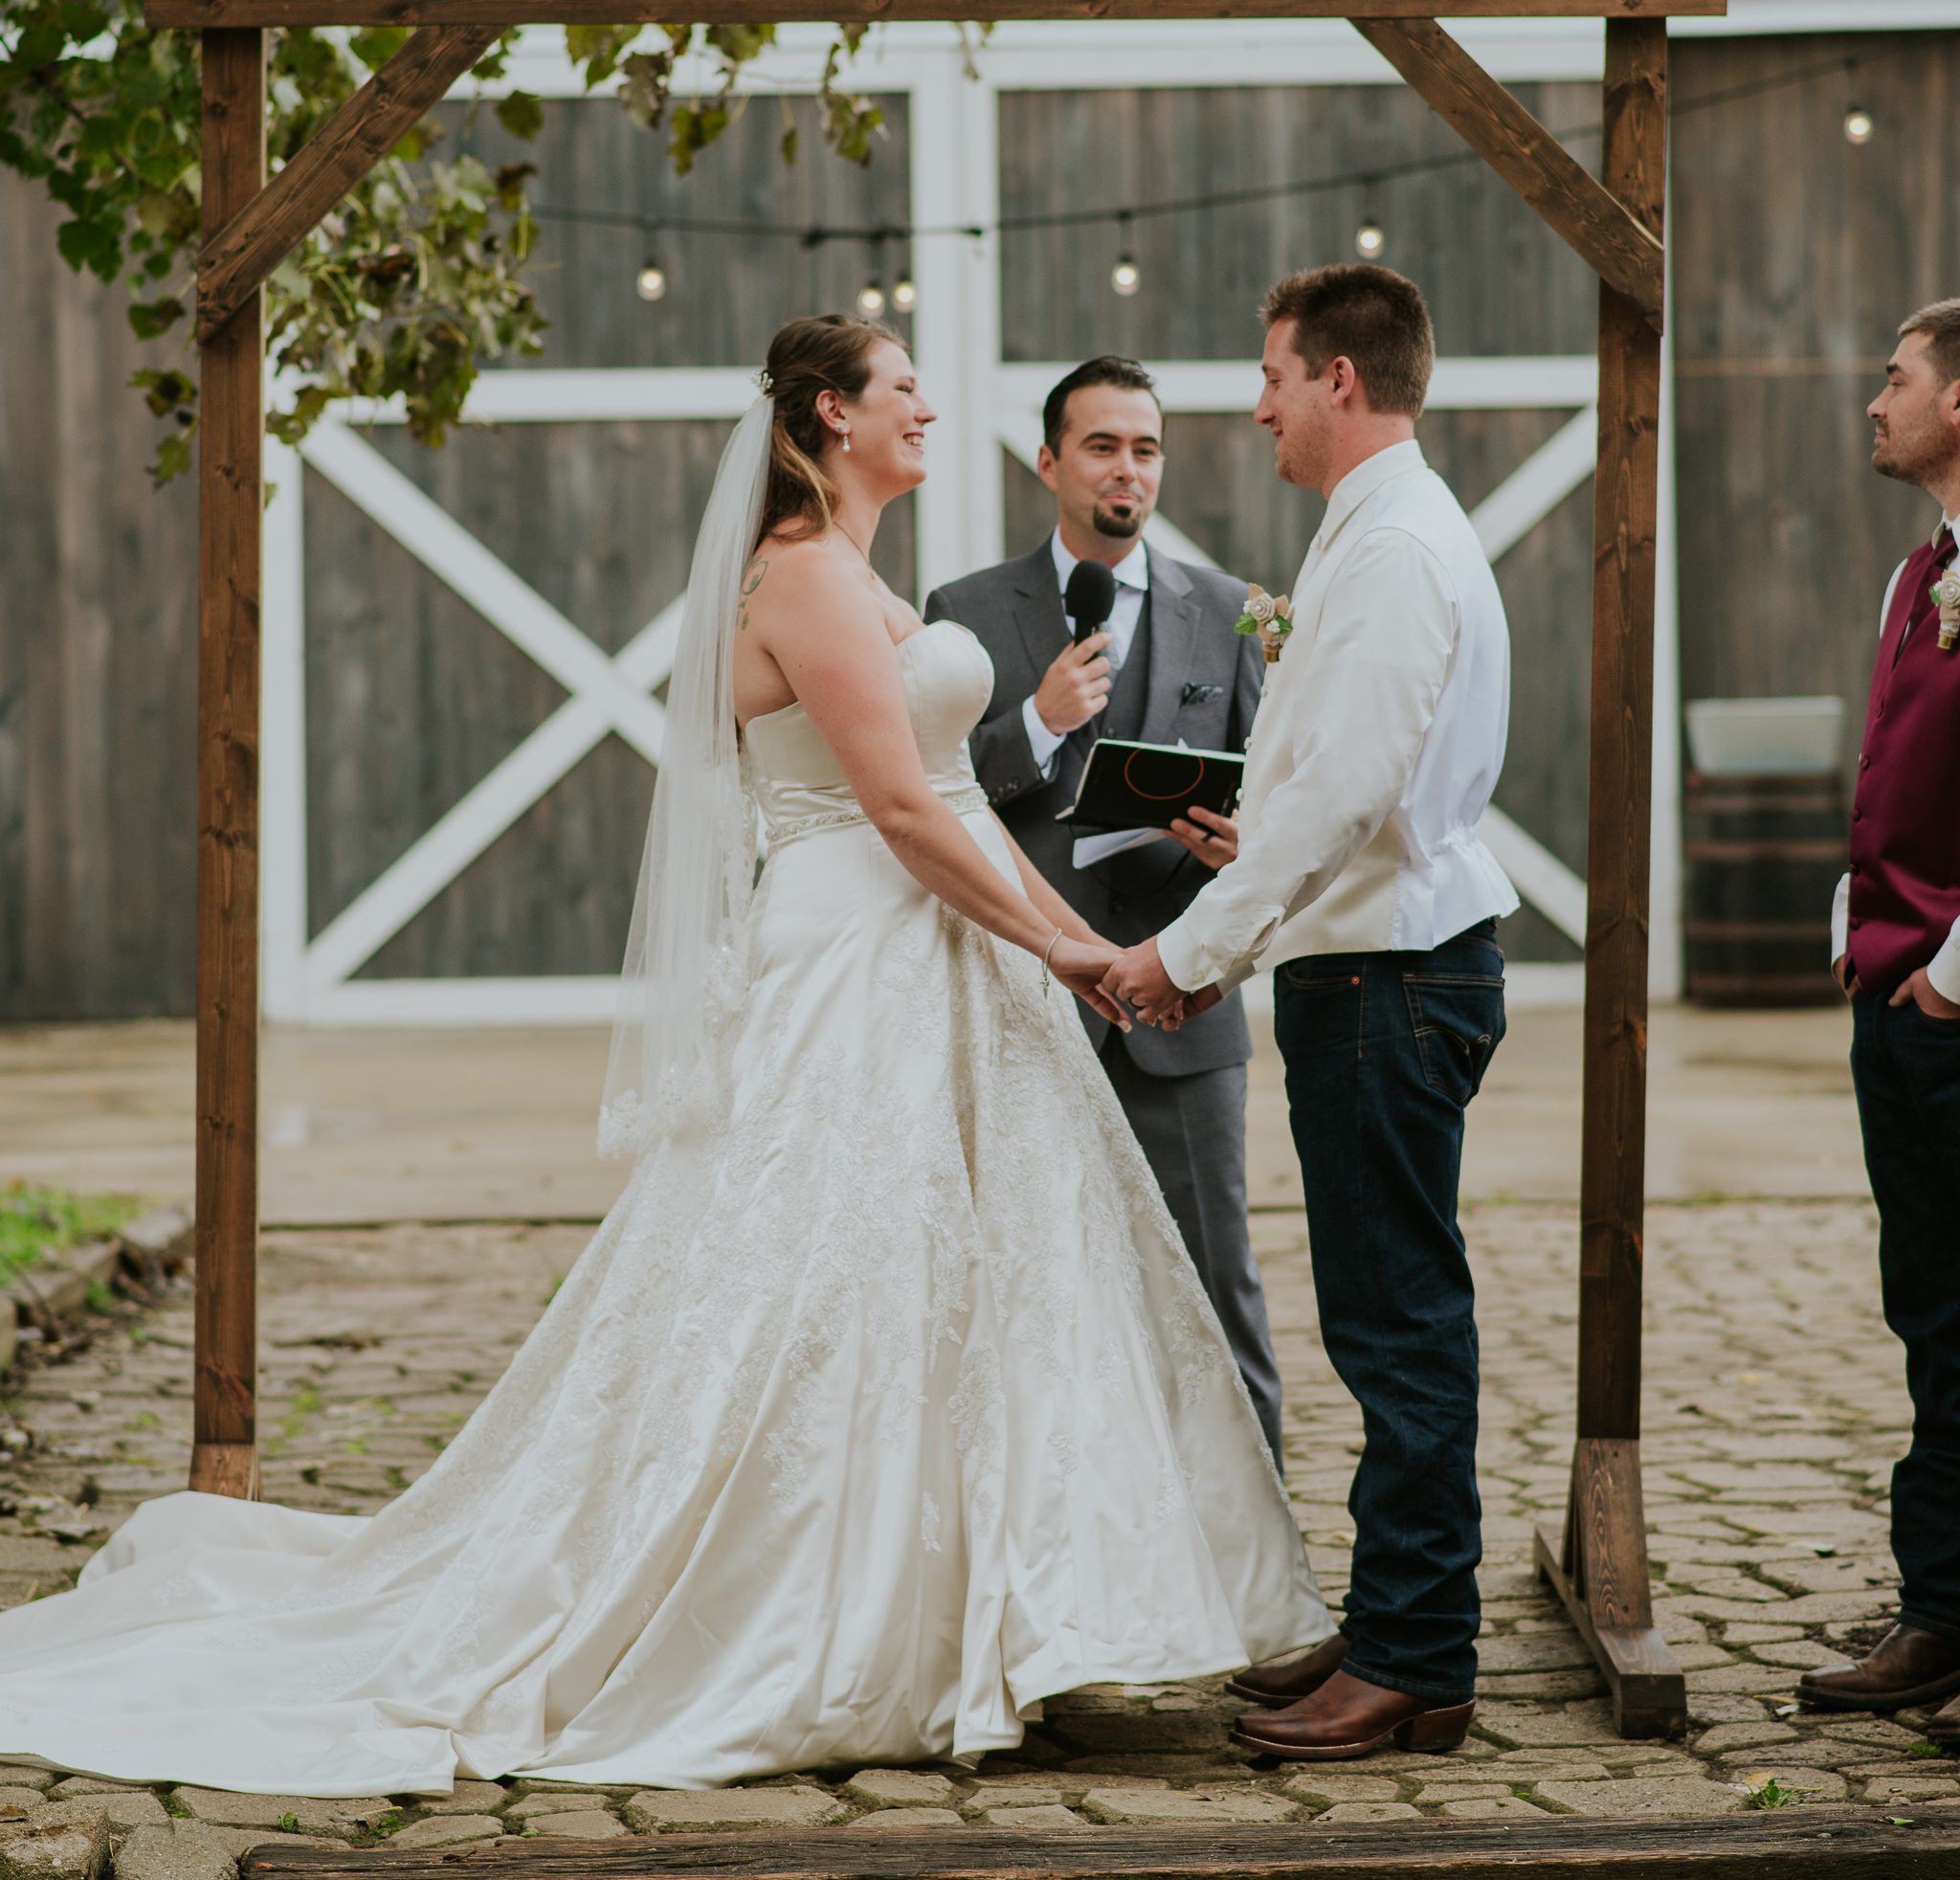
{"x": 1606, "y": 1526}
{"x": 1795, "y": 256}
{"x": 1614, "y": 243}
{"x": 97, "y": 651}
{"x": 720, "y": 13}
{"x": 1648, "y": 1689}
{"x": 235, "y": 262}
{"x": 1614, "y": 1125}
{"x": 231, "y": 503}
{"x": 1804, "y": 1844}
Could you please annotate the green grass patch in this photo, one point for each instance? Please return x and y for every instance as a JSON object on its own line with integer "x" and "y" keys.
{"x": 36, "y": 1222}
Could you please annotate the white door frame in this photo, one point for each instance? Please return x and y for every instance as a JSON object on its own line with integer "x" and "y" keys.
{"x": 985, "y": 405}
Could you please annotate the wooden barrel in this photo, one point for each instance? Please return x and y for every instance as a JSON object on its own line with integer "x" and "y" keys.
{"x": 1764, "y": 855}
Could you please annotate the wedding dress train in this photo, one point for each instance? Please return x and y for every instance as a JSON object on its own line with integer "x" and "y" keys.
{"x": 884, "y": 1402}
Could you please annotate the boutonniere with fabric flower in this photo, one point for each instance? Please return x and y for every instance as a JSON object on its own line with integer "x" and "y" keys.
{"x": 1946, "y": 593}
{"x": 1270, "y": 617}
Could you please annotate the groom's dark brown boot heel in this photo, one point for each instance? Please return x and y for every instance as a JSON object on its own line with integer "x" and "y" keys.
{"x": 1436, "y": 1731}
{"x": 1347, "y": 1717}
{"x": 1275, "y": 1684}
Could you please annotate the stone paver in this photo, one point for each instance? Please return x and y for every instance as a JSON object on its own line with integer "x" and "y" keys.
{"x": 580, "y": 1824}
{"x": 447, "y": 1831}
{"x": 1774, "y": 1408}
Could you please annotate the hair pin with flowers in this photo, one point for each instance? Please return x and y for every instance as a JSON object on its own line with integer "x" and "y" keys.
{"x": 1270, "y": 617}
{"x": 762, "y": 381}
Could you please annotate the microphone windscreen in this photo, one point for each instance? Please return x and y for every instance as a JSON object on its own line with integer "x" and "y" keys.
{"x": 1089, "y": 597}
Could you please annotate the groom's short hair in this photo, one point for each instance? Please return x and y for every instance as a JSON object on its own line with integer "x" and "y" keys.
{"x": 1370, "y": 315}
{"x": 1125, "y": 374}
{"x": 1940, "y": 323}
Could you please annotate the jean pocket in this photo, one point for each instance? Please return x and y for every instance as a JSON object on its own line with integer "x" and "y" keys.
{"x": 1938, "y": 1028}
{"x": 1458, "y": 1020}
{"x": 1314, "y": 975}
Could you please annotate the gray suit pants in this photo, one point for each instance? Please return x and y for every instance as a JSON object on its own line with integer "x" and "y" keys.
{"x": 1192, "y": 1134}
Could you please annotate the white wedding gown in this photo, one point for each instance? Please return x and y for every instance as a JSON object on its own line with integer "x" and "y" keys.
{"x": 881, "y": 1405}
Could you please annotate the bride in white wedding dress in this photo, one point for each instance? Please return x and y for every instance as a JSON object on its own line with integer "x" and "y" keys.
{"x": 886, "y": 1400}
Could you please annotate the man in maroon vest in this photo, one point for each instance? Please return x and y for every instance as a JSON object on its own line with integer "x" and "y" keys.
{"x": 1896, "y": 942}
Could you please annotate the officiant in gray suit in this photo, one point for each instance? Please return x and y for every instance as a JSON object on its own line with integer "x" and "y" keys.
{"x": 1169, "y": 667}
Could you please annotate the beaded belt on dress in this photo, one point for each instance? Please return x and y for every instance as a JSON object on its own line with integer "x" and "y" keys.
{"x": 963, "y": 801}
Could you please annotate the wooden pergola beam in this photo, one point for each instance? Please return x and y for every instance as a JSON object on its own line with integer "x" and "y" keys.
{"x": 234, "y": 263}
{"x": 206, "y": 14}
{"x": 1622, "y": 251}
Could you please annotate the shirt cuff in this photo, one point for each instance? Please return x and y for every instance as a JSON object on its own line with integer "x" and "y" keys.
{"x": 1943, "y": 970}
{"x": 1840, "y": 919}
{"x": 1182, "y": 955}
{"x": 1041, "y": 741}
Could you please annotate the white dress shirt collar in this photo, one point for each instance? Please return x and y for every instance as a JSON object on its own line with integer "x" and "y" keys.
{"x": 1133, "y": 571}
{"x": 1364, "y": 479}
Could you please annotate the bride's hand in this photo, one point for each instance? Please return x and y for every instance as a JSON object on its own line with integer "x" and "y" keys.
{"x": 1080, "y": 967}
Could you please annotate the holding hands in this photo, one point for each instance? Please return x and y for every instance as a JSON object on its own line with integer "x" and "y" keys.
{"x": 1137, "y": 977}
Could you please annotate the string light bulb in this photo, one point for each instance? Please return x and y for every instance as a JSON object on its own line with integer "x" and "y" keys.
{"x": 871, "y": 299}
{"x": 1370, "y": 241}
{"x": 1125, "y": 277}
{"x": 904, "y": 294}
{"x": 1858, "y": 125}
{"x": 651, "y": 283}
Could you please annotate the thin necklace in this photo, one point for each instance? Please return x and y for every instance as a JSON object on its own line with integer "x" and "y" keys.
{"x": 852, "y": 541}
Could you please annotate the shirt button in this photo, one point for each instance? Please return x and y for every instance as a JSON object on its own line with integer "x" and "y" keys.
{"x": 1857, "y": 815}
{"x": 1864, "y": 762}
{"x": 1855, "y": 922}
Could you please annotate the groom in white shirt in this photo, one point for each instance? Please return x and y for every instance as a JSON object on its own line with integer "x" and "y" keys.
{"x": 1361, "y": 880}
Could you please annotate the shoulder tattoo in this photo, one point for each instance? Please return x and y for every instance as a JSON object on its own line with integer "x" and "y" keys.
{"x": 751, "y": 579}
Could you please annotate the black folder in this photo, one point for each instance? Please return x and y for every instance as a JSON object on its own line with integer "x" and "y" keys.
{"x": 1145, "y": 786}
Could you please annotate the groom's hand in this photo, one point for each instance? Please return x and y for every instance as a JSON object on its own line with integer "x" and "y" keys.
{"x": 1213, "y": 839}
{"x": 1137, "y": 977}
{"x": 1190, "y": 1006}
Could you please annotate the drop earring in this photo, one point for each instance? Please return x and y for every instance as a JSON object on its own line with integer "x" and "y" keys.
{"x": 846, "y": 435}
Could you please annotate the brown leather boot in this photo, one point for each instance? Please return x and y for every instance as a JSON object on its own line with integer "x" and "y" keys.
{"x": 1943, "y": 1727}
{"x": 1906, "y": 1667}
{"x": 1277, "y": 1685}
{"x": 1346, "y": 1717}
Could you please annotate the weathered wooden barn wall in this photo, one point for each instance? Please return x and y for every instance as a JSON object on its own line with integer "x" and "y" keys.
{"x": 1497, "y": 280}
{"x": 1797, "y": 253}
{"x": 98, "y": 651}
{"x": 1796, "y": 256}
{"x": 412, "y": 696}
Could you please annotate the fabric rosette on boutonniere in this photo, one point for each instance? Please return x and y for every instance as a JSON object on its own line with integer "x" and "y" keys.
{"x": 1270, "y": 617}
{"x": 1945, "y": 593}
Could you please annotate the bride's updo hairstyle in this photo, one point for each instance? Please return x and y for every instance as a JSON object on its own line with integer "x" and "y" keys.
{"x": 827, "y": 352}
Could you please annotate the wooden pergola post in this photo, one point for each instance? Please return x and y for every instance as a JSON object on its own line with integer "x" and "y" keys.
{"x": 224, "y": 1459}
{"x": 1599, "y": 1564}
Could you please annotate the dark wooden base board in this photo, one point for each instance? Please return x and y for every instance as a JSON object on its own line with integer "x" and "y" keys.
{"x": 1795, "y": 1843}
{"x": 1650, "y": 1696}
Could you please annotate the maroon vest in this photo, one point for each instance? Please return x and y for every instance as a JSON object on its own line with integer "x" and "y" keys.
{"x": 1905, "y": 812}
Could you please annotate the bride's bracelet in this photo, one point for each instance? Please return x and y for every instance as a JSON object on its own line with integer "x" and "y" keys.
{"x": 1044, "y": 963}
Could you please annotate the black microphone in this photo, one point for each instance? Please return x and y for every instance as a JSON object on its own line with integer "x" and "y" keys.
{"x": 1089, "y": 597}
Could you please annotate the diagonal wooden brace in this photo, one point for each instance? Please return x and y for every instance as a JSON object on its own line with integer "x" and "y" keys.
{"x": 1620, "y": 249}
{"x": 236, "y": 261}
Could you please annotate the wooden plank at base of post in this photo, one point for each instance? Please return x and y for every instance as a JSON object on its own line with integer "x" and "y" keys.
{"x": 1601, "y": 1567}
{"x": 1818, "y": 1843}
{"x": 1598, "y": 1567}
{"x": 224, "y": 1453}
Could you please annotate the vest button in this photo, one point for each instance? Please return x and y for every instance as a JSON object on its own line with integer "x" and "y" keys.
{"x": 1116, "y": 907}
{"x": 1857, "y": 815}
{"x": 1855, "y": 922}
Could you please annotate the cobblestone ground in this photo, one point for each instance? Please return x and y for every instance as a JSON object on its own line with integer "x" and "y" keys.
{"x": 1774, "y": 1411}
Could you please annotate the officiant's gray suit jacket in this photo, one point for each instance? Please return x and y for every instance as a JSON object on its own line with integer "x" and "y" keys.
{"x": 1187, "y": 675}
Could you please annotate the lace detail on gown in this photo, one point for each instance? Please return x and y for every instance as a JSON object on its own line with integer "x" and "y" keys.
{"x": 837, "y": 1444}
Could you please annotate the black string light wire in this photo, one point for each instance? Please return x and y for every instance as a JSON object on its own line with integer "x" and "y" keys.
{"x": 1125, "y": 277}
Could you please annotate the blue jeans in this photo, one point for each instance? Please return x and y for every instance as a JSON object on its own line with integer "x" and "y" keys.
{"x": 1906, "y": 1070}
{"x": 1383, "y": 1051}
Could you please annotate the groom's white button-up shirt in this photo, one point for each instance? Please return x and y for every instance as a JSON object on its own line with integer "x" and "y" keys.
{"x": 1376, "y": 747}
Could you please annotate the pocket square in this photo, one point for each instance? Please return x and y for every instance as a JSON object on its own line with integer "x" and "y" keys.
{"x": 1201, "y": 694}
